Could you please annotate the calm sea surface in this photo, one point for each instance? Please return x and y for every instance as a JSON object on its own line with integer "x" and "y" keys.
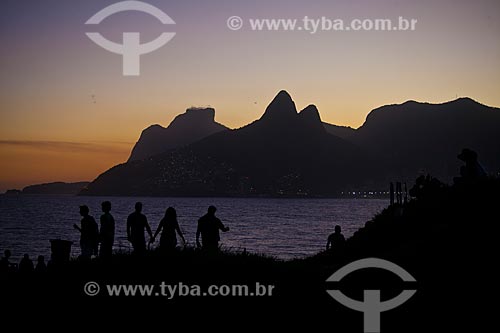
{"x": 285, "y": 228}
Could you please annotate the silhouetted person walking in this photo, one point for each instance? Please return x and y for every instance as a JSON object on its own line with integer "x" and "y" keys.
{"x": 208, "y": 228}
{"x": 107, "y": 233}
{"x": 89, "y": 234}
{"x": 335, "y": 240}
{"x": 26, "y": 265}
{"x": 41, "y": 267}
{"x": 169, "y": 225}
{"x": 136, "y": 223}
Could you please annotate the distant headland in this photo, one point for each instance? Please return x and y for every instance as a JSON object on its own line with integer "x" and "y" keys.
{"x": 56, "y": 188}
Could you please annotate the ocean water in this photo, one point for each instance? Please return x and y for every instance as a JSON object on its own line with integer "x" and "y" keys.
{"x": 284, "y": 228}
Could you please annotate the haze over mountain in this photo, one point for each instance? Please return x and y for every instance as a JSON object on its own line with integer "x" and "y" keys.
{"x": 186, "y": 128}
{"x": 286, "y": 152}
{"x": 344, "y": 132}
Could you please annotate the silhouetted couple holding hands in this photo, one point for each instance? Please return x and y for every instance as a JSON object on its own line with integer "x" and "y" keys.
{"x": 137, "y": 223}
{"x": 208, "y": 228}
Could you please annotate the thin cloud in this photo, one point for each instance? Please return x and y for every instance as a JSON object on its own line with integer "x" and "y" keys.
{"x": 73, "y": 147}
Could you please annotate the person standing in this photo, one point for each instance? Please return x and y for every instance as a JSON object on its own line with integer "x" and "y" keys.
{"x": 26, "y": 265}
{"x": 107, "y": 234}
{"x": 41, "y": 267}
{"x": 208, "y": 227}
{"x": 336, "y": 240}
{"x": 136, "y": 223}
{"x": 169, "y": 227}
{"x": 89, "y": 233}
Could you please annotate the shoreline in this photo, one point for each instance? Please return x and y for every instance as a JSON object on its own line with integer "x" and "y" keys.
{"x": 429, "y": 237}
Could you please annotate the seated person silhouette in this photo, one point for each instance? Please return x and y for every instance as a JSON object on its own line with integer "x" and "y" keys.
{"x": 89, "y": 233}
{"x": 26, "y": 265}
{"x": 169, "y": 225}
{"x": 208, "y": 228}
{"x": 472, "y": 170}
{"x": 5, "y": 265}
{"x": 41, "y": 267}
{"x": 136, "y": 223}
{"x": 335, "y": 240}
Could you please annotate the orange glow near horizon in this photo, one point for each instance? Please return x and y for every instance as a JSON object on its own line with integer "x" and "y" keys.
{"x": 34, "y": 162}
{"x": 67, "y": 113}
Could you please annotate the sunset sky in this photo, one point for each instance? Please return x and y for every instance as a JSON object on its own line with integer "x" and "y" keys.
{"x": 67, "y": 113}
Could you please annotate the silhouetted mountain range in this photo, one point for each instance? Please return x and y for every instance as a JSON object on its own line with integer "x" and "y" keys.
{"x": 417, "y": 137}
{"x": 194, "y": 125}
{"x": 293, "y": 153}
